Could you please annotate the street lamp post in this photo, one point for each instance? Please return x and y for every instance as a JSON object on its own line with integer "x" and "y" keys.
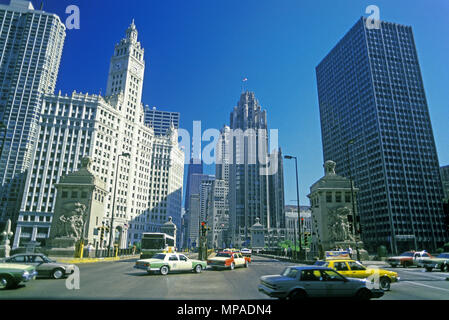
{"x": 297, "y": 199}
{"x": 354, "y": 216}
{"x": 111, "y": 229}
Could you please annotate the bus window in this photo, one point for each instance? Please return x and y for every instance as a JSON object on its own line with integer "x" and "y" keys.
{"x": 170, "y": 242}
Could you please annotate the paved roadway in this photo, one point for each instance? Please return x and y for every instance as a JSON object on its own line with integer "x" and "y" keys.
{"x": 118, "y": 280}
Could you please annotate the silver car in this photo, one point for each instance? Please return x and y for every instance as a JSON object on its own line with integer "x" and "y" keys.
{"x": 45, "y": 267}
{"x": 316, "y": 282}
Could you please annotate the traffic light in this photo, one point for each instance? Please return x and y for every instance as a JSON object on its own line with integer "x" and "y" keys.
{"x": 351, "y": 222}
{"x": 102, "y": 230}
{"x": 203, "y": 228}
{"x": 306, "y": 239}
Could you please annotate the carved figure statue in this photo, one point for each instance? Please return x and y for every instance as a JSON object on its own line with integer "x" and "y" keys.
{"x": 71, "y": 222}
{"x": 339, "y": 227}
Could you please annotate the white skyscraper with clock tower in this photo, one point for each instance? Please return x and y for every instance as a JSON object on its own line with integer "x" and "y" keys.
{"x": 111, "y": 130}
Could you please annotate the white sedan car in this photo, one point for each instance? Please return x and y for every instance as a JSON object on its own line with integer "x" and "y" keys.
{"x": 170, "y": 262}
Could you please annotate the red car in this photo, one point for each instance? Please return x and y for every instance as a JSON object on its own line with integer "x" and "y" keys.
{"x": 228, "y": 259}
{"x": 408, "y": 258}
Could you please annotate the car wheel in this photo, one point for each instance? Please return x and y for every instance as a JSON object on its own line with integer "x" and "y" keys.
{"x": 164, "y": 270}
{"x": 363, "y": 294}
{"x": 57, "y": 274}
{"x": 297, "y": 295}
{"x": 232, "y": 266}
{"x": 444, "y": 267}
{"x": 6, "y": 282}
{"x": 198, "y": 268}
{"x": 385, "y": 283}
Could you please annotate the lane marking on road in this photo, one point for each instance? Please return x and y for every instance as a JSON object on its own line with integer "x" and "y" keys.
{"x": 425, "y": 285}
{"x": 425, "y": 274}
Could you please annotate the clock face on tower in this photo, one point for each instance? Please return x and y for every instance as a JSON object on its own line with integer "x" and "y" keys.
{"x": 117, "y": 66}
{"x": 136, "y": 69}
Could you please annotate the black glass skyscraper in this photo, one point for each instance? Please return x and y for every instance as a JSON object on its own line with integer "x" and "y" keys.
{"x": 371, "y": 92}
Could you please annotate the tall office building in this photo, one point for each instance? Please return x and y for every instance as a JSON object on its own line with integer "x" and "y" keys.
{"x": 218, "y": 214}
{"x": 160, "y": 120}
{"x": 375, "y": 122}
{"x": 223, "y": 153}
{"x": 251, "y": 192}
{"x": 195, "y": 167}
{"x": 199, "y": 189}
{"x": 166, "y": 183}
{"x": 445, "y": 178}
{"x": 31, "y": 43}
{"x": 110, "y": 130}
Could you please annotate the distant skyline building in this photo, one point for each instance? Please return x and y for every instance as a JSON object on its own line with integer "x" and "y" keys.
{"x": 218, "y": 214}
{"x": 31, "y": 44}
{"x": 195, "y": 167}
{"x": 291, "y": 222}
{"x": 371, "y": 93}
{"x": 251, "y": 189}
{"x": 199, "y": 187}
{"x": 160, "y": 120}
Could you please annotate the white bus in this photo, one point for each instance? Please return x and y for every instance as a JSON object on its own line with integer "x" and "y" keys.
{"x": 156, "y": 242}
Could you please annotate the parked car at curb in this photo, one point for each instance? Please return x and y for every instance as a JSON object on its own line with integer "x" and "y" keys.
{"x": 354, "y": 269}
{"x": 165, "y": 263}
{"x": 11, "y": 275}
{"x": 408, "y": 259}
{"x": 297, "y": 283}
{"x": 441, "y": 262}
{"x": 228, "y": 260}
{"x": 45, "y": 266}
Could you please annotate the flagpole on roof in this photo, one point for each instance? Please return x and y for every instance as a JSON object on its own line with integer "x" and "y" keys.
{"x": 243, "y": 84}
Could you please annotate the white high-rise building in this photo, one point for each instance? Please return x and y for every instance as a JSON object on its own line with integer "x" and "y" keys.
{"x": 110, "y": 130}
{"x": 166, "y": 182}
{"x": 31, "y": 43}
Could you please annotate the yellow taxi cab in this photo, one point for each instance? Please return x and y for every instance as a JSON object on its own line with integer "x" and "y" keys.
{"x": 354, "y": 269}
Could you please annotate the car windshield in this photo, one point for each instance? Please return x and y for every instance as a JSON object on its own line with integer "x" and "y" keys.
{"x": 224, "y": 254}
{"x": 407, "y": 254}
{"x": 159, "y": 256}
{"x": 290, "y": 273}
{"x": 444, "y": 255}
{"x": 48, "y": 260}
{"x": 321, "y": 263}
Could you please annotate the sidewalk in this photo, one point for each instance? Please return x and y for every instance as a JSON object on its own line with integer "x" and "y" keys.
{"x": 92, "y": 260}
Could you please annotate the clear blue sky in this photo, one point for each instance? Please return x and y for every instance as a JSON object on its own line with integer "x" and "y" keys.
{"x": 198, "y": 51}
